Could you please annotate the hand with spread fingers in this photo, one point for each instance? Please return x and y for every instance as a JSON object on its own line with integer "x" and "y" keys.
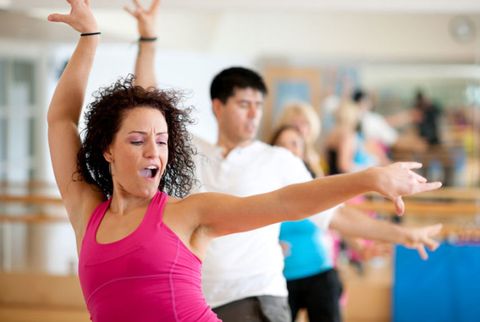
{"x": 80, "y": 17}
{"x": 145, "y": 17}
{"x": 420, "y": 237}
{"x": 399, "y": 179}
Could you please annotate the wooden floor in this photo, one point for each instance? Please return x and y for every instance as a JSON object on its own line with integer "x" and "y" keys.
{"x": 26, "y": 297}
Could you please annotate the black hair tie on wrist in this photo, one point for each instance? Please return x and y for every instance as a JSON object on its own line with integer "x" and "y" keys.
{"x": 83, "y": 34}
{"x": 147, "y": 39}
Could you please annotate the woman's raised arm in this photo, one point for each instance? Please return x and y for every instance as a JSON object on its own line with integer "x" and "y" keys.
{"x": 145, "y": 62}
{"x": 64, "y": 112}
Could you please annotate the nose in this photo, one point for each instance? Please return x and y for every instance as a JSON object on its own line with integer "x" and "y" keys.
{"x": 252, "y": 111}
{"x": 151, "y": 149}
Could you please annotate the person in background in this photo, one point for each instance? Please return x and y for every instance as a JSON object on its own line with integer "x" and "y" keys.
{"x": 290, "y": 138}
{"x": 426, "y": 117}
{"x": 346, "y": 147}
{"x": 303, "y": 116}
{"x": 373, "y": 125}
{"x": 381, "y": 131}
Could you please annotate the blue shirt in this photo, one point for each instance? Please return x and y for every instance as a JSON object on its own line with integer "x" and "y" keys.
{"x": 306, "y": 254}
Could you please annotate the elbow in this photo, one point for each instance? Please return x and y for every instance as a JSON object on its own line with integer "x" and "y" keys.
{"x": 60, "y": 119}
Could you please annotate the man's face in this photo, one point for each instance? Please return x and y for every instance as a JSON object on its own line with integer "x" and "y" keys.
{"x": 366, "y": 104}
{"x": 239, "y": 118}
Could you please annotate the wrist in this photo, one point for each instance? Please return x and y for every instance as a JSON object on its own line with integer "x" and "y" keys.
{"x": 89, "y": 34}
{"x": 145, "y": 39}
{"x": 404, "y": 236}
{"x": 369, "y": 180}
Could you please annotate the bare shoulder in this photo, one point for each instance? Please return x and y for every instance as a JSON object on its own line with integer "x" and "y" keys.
{"x": 188, "y": 211}
{"x": 174, "y": 200}
{"x": 180, "y": 211}
{"x": 190, "y": 200}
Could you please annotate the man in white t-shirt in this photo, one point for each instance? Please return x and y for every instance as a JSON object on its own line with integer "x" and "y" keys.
{"x": 242, "y": 274}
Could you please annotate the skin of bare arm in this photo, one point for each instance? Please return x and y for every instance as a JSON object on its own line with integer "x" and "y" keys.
{"x": 351, "y": 222}
{"x": 64, "y": 113}
{"x": 145, "y": 62}
{"x": 222, "y": 214}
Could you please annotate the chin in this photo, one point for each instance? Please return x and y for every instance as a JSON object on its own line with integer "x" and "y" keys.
{"x": 147, "y": 192}
{"x": 249, "y": 136}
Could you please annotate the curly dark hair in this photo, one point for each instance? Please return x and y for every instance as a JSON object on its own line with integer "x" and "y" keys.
{"x": 103, "y": 120}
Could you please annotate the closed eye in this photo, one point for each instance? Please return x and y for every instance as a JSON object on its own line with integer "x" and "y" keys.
{"x": 136, "y": 142}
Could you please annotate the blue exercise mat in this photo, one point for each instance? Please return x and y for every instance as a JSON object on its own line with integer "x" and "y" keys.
{"x": 445, "y": 288}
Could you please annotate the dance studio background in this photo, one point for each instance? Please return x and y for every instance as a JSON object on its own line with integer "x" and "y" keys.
{"x": 311, "y": 50}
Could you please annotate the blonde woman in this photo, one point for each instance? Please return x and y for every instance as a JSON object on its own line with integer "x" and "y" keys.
{"x": 346, "y": 147}
{"x": 303, "y": 116}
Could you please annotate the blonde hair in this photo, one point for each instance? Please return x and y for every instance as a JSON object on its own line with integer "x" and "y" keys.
{"x": 307, "y": 112}
{"x": 347, "y": 115}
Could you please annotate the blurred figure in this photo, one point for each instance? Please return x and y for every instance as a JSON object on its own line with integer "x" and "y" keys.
{"x": 348, "y": 151}
{"x": 291, "y": 138}
{"x": 427, "y": 118}
{"x": 303, "y": 116}
{"x": 346, "y": 147}
{"x": 439, "y": 159}
{"x": 374, "y": 126}
{"x": 312, "y": 281}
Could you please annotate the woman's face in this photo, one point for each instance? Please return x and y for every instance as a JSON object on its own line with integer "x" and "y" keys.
{"x": 293, "y": 141}
{"x": 303, "y": 125}
{"x": 138, "y": 154}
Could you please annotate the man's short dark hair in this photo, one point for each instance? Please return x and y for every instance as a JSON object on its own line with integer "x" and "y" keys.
{"x": 358, "y": 95}
{"x": 228, "y": 80}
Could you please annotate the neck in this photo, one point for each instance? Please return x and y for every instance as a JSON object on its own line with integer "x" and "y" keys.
{"x": 228, "y": 145}
{"x": 123, "y": 203}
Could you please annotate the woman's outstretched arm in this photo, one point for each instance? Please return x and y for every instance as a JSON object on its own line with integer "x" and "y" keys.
{"x": 64, "y": 112}
{"x": 221, "y": 214}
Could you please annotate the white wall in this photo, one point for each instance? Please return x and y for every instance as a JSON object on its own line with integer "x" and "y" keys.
{"x": 189, "y": 72}
{"x": 367, "y": 36}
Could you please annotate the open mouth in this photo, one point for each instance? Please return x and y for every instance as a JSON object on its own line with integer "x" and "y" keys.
{"x": 149, "y": 172}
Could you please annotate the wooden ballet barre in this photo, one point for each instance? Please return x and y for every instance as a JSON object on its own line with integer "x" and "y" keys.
{"x": 32, "y": 219}
{"x": 30, "y": 199}
{"x": 461, "y": 234}
{"x": 28, "y": 184}
{"x": 423, "y": 208}
{"x": 462, "y": 194}
{"x": 449, "y": 193}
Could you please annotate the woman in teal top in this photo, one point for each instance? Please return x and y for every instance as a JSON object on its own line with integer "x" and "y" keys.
{"x": 312, "y": 281}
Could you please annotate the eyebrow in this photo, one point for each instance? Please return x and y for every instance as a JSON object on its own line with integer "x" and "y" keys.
{"x": 146, "y": 133}
{"x": 241, "y": 100}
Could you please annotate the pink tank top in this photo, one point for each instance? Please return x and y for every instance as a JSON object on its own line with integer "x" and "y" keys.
{"x": 149, "y": 275}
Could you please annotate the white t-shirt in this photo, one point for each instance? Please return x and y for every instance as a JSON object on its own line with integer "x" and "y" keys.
{"x": 376, "y": 127}
{"x": 249, "y": 263}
